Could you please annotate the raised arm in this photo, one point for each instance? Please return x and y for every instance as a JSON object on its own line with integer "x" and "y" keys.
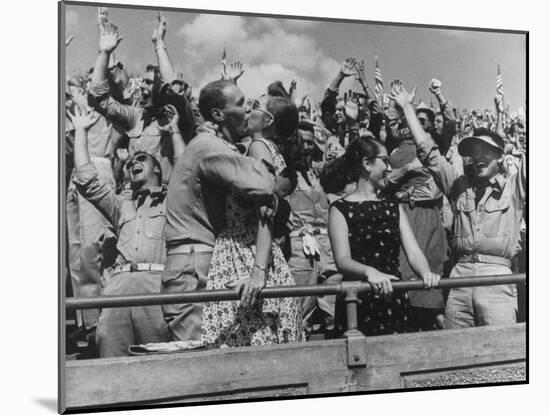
{"x": 173, "y": 129}
{"x": 414, "y": 254}
{"x": 167, "y": 73}
{"x": 362, "y": 78}
{"x": 499, "y": 106}
{"x": 405, "y": 101}
{"x": 108, "y": 42}
{"x": 429, "y": 155}
{"x": 236, "y": 70}
{"x": 86, "y": 178}
{"x": 227, "y": 168}
{"x": 292, "y": 90}
{"x": 348, "y": 68}
{"x": 328, "y": 104}
{"x": 125, "y": 115}
{"x": 445, "y": 108}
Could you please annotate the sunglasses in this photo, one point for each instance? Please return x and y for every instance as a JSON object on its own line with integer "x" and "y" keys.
{"x": 422, "y": 120}
{"x": 140, "y": 158}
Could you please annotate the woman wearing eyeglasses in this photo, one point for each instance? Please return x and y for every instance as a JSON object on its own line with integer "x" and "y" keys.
{"x": 366, "y": 231}
{"x": 245, "y": 256}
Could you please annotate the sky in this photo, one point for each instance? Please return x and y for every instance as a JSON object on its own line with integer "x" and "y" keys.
{"x": 311, "y": 52}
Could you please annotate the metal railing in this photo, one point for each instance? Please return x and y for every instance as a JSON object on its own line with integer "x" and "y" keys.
{"x": 356, "y": 347}
{"x": 349, "y": 289}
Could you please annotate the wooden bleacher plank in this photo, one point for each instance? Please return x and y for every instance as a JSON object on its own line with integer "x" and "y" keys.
{"x": 281, "y": 370}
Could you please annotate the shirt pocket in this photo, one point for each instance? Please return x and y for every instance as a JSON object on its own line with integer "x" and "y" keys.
{"x": 126, "y": 225}
{"x": 465, "y": 207}
{"x": 154, "y": 223}
{"x": 497, "y": 219}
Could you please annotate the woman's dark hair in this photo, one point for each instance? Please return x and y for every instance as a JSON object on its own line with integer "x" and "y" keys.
{"x": 347, "y": 168}
{"x": 186, "y": 124}
{"x": 277, "y": 89}
{"x": 285, "y": 114}
{"x": 429, "y": 113}
{"x": 155, "y": 93}
{"x": 375, "y": 123}
{"x": 291, "y": 152}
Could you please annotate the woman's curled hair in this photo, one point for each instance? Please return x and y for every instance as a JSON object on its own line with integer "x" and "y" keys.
{"x": 346, "y": 169}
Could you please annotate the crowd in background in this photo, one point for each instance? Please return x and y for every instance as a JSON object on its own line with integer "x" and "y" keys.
{"x": 169, "y": 190}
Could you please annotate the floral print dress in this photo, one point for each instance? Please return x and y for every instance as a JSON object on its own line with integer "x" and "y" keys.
{"x": 375, "y": 240}
{"x": 269, "y": 321}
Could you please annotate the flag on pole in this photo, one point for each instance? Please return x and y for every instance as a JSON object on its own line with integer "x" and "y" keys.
{"x": 378, "y": 82}
{"x": 224, "y": 62}
{"x": 500, "y": 88}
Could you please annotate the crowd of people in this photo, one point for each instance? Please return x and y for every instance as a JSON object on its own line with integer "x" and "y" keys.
{"x": 168, "y": 192}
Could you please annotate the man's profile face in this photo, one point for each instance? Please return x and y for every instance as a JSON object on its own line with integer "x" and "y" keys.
{"x": 236, "y": 119}
{"x": 485, "y": 160}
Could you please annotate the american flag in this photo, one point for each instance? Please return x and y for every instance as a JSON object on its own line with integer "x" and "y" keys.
{"x": 378, "y": 83}
{"x": 500, "y": 88}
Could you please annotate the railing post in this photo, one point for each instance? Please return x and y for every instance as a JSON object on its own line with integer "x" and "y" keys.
{"x": 355, "y": 340}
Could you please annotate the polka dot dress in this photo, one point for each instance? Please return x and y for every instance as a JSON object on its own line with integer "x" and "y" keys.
{"x": 375, "y": 240}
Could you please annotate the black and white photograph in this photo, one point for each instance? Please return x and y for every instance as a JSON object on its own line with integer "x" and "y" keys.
{"x": 258, "y": 207}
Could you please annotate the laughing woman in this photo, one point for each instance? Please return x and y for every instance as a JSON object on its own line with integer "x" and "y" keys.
{"x": 366, "y": 232}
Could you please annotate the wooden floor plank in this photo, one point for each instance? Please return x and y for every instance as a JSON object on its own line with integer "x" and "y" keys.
{"x": 285, "y": 370}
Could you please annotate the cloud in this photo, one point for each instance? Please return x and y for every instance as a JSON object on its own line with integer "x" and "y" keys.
{"x": 72, "y": 21}
{"x": 269, "y": 49}
{"x": 211, "y": 31}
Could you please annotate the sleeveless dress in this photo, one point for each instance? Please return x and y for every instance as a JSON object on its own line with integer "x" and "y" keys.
{"x": 269, "y": 321}
{"x": 375, "y": 240}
